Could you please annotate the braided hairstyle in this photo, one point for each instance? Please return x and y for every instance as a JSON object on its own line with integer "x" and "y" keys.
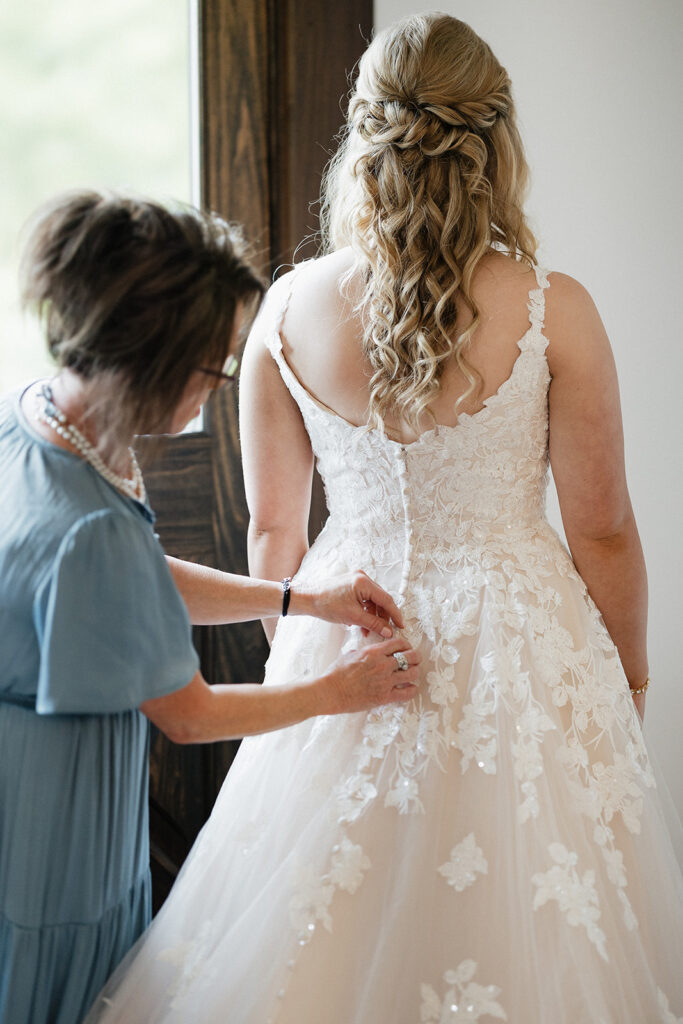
{"x": 430, "y": 175}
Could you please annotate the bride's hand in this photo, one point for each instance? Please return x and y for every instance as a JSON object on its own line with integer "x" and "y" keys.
{"x": 353, "y": 600}
{"x": 360, "y": 680}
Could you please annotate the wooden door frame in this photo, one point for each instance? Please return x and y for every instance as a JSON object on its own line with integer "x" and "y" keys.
{"x": 273, "y": 77}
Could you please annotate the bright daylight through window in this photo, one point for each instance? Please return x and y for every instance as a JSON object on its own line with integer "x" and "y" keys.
{"x": 90, "y": 94}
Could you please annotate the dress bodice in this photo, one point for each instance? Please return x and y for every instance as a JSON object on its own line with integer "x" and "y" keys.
{"x": 454, "y": 484}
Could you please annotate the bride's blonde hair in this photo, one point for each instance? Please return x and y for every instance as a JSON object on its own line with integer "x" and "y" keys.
{"x": 430, "y": 175}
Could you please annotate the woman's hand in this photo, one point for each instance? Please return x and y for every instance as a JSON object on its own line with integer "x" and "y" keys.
{"x": 360, "y": 680}
{"x": 356, "y": 681}
{"x": 352, "y": 600}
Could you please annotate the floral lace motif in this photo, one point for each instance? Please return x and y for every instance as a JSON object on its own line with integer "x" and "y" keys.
{"x": 189, "y": 959}
{"x": 455, "y": 524}
{"x": 576, "y": 896}
{"x": 465, "y": 1000}
{"x": 665, "y": 1014}
{"x": 465, "y": 862}
{"x": 313, "y": 893}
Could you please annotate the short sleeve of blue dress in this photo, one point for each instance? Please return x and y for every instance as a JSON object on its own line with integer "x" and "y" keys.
{"x": 112, "y": 628}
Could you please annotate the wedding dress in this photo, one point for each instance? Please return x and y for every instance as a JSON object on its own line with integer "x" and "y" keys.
{"x": 494, "y": 850}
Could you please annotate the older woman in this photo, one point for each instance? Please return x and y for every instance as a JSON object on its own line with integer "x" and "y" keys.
{"x": 140, "y": 304}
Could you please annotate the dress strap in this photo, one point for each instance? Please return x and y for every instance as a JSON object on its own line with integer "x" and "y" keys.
{"x": 281, "y": 293}
{"x": 287, "y": 290}
{"x": 536, "y": 304}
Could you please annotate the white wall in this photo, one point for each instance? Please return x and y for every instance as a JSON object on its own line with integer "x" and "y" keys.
{"x": 598, "y": 90}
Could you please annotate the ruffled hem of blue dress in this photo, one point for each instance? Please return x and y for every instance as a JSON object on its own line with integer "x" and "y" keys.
{"x": 52, "y": 974}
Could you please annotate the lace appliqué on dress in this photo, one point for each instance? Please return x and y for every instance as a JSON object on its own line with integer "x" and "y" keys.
{"x": 313, "y": 893}
{"x": 666, "y": 1016}
{"x": 465, "y": 1000}
{"x": 463, "y": 508}
{"x": 189, "y": 959}
{"x": 466, "y": 861}
{"x": 575, "y": 895}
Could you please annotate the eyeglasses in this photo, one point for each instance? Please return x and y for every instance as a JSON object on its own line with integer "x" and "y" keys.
{"x": 226, "y": 376}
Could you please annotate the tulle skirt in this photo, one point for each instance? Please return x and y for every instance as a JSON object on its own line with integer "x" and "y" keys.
{"x": 500, "y": 848}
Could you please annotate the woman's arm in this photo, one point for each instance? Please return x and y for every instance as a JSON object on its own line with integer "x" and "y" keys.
{"x": 213, "y": 597}
{"x": 587, "y": 459}
{"x": 357, "y": 681}
{"x": 277, "y": 462}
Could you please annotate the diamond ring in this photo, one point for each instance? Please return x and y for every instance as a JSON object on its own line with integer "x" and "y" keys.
{"x": 402, "y": 661}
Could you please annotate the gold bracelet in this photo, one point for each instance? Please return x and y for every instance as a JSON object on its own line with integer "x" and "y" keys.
{"x": 641, "y": 689}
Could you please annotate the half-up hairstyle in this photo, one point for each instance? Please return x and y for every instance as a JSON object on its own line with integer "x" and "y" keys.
{"x": 430, "y": 175}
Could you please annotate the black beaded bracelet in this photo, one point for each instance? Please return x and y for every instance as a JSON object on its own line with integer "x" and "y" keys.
{"x": 286, "y": 594}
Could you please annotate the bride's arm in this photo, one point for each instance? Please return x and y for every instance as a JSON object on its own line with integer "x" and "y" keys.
{"x": 587, "y": 458}
{"x": 278, "y": 470}
{"x": 278, "y": 466}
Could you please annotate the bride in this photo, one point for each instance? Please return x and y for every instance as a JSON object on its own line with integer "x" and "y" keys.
{"x": 495, "y": 849}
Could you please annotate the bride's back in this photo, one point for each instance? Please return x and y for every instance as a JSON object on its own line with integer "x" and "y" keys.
{"x": 322, "y": 337}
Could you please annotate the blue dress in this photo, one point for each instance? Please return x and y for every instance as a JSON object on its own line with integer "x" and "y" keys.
{"x": 91, "y": 625}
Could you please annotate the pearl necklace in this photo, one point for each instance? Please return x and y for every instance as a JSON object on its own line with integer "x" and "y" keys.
{"x": 50, "y": 414}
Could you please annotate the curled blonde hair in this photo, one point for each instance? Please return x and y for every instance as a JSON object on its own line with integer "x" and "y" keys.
{"x": 430, "y": 175}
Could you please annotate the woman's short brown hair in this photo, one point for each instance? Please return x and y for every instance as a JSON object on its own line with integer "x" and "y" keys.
{"x": 138, "y": 290}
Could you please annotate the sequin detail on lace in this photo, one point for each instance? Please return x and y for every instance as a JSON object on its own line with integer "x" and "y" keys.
{"x": 464, "y": 1000}
{"x": 574, "y": 894}
{"x": 464, "y": 506}
{"x": 466, "y": 861}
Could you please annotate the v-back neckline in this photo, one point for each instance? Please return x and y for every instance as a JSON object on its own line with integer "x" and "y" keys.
{"x": 464, "y": 417}
{"x": 536, "y": 308}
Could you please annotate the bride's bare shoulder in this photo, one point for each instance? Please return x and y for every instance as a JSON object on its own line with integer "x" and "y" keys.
{"x": 573, "y": 326}
{"x": 310, "y": 288}
{"x": 569, "y": 307}
{"x": 321, "y": 289}
{"x": 323, "y": 276}
{"x": 566, "y": 295}
{"x": 316, "y": 270}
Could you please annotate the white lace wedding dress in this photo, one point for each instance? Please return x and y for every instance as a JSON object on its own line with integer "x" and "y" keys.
{"x": 494, "y": 850}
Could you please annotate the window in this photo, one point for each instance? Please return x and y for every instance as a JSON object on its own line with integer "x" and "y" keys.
{"x": 90, "y": 94}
